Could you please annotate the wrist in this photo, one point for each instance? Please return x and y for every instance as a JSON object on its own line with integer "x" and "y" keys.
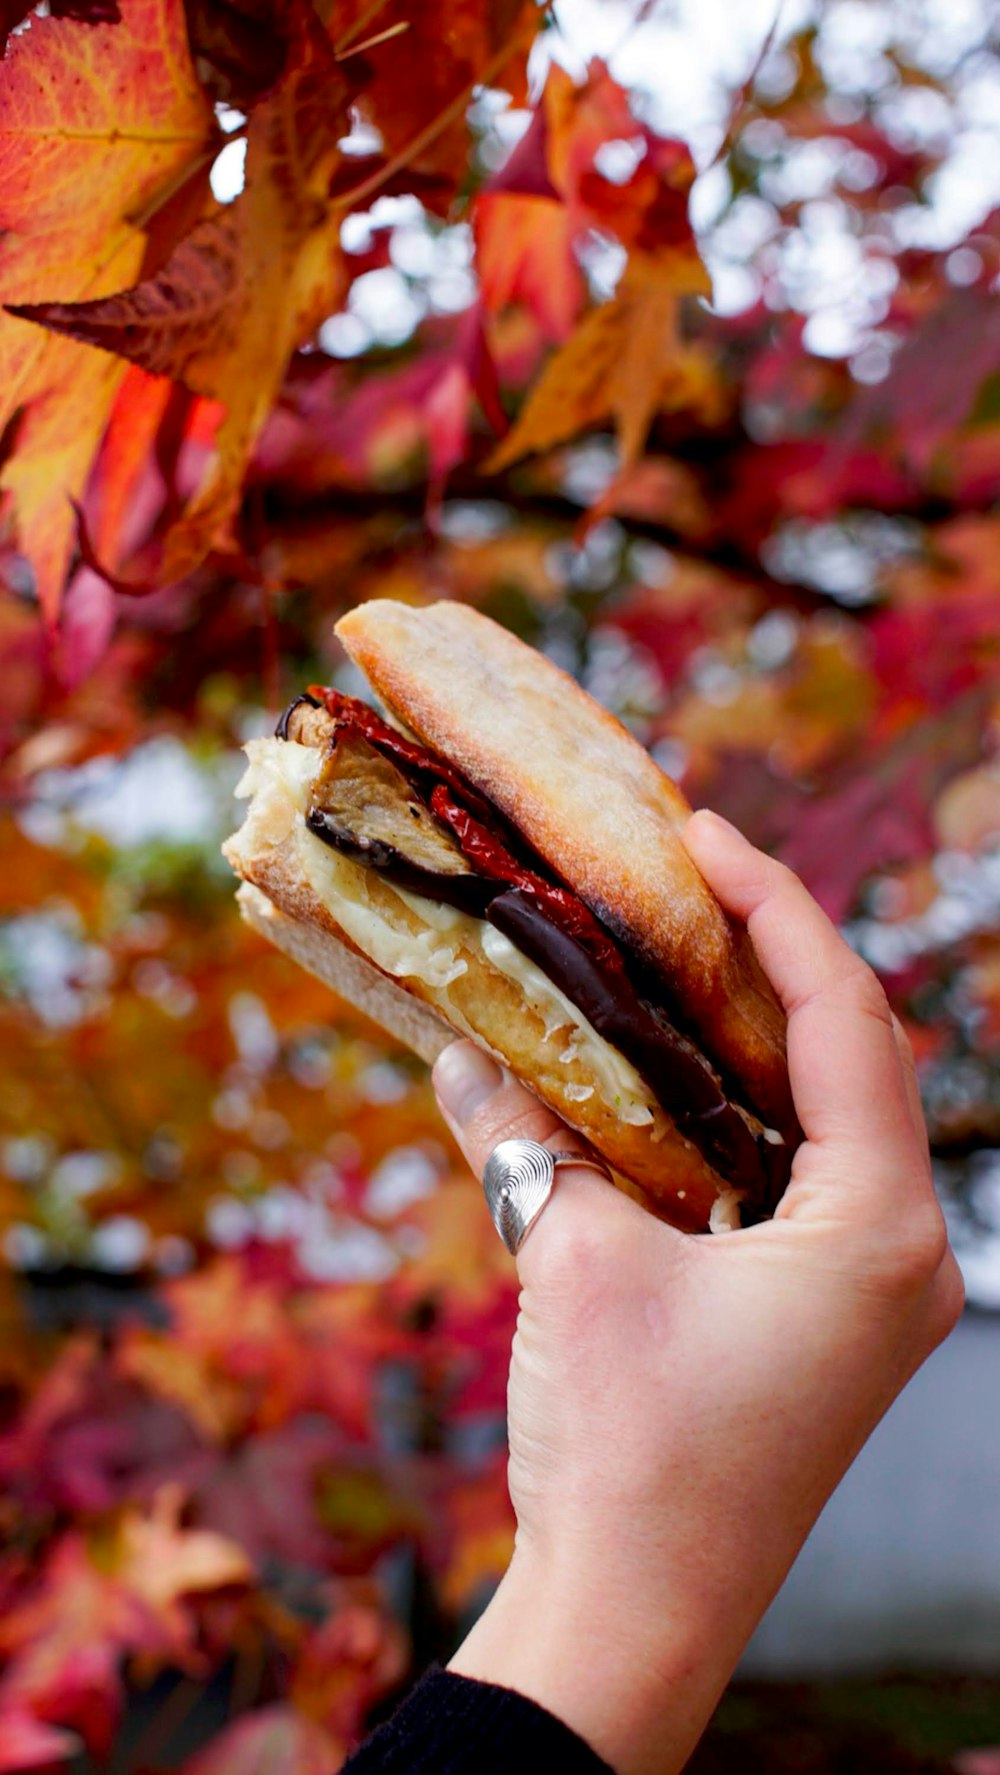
{"x": 636, "y": 1675}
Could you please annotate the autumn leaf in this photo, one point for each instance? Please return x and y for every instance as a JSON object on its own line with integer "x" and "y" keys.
{"x": 624, "y": 363}
{"x": 28, "y": 1743}
{"x": 478, "y": 1537}
{"x": 880, "y": 814}
{"x": 80, "y": 176}
{"x": 64, "y": 1642}
{"x": 248, "y": 286}
{"x": 88, "y": 1440}
{"x": 263, "y": 1493}
{"x": 425, "y": 407}
{"x": 424, "y": 62}
{"x": 125, "y": 460}
{"x": 626, "y": 360}
{"x": 551, "y": 194}
{"x": 240, "y": 46}
{"x": 645, "y": 205}
{"x": 524, "y": 253}
{"x": 178, "y": 323}
{"x": 931, "y": 391}
{"x": 96, "y": 1603}
{"x": 89, "y": 12}
{"x": 160, "y": 1562}
{"x": 184, "y": 1379}
{"x": 351, "y": 1659}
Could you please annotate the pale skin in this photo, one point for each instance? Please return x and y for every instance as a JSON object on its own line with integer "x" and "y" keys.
{"x": 680, "y": 1408}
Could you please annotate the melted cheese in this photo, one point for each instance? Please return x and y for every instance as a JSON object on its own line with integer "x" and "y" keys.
{"x": 430, "y": 954}
{"x": 724, "y": 1216}
{"x": 620, "y": 1083}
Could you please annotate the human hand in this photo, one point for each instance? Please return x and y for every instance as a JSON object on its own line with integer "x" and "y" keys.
{"x": 680, "y": 1407}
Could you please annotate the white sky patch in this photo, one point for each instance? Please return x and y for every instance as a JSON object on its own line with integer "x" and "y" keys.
{"x": 157, "y": 792}
{"x": 406, "y": 1175}
{"x": 228, "y": 173}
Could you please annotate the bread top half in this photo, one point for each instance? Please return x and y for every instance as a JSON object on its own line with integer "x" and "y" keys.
{"x": 591, "y": 802}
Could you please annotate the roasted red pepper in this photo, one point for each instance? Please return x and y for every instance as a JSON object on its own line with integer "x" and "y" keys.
{"x": 560, "y": 905}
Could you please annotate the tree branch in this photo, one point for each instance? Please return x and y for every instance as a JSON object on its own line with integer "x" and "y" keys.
{"x": 280, "y": 511}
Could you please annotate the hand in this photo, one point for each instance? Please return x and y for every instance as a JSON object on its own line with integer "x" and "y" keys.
{"x": 680, "y": 1407}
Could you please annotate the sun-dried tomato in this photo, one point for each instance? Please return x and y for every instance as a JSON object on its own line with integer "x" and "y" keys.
{"x": 491, "y": 858}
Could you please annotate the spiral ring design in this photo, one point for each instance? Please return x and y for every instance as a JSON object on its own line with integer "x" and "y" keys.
{"x": 517, "y": 1182}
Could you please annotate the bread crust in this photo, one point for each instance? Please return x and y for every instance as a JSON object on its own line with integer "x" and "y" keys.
{"x": 593, "y": 804}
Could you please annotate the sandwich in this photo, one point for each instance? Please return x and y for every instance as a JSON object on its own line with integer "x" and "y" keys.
{"x": 492, "y": 855}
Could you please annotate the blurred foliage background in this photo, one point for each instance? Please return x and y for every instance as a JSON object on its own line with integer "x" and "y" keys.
{"x": 255, "y": 1322}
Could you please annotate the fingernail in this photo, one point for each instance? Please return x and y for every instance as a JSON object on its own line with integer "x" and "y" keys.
{"x": 464, "y": 1077}
{"x": 708, "y": 813}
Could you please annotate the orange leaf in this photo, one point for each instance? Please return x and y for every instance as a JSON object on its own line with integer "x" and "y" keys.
{"x": 176, "y": 324}
{"x": 418, "y": 74}
{"x": 480, "y": 1536}
{"x": 100, "y": 124}
{"x": 645, "y": 210}
{"x": 184, "y": 1377}
{"x": 250, "y": 284}
{"x": 126, "y": 458}
{"x": 348, "y": 1661}
{"x": 524, "y": 254}
{"x": 625, "y": 363}
{"x": 158, "y": 1561}
{"x": 554, "y": 190}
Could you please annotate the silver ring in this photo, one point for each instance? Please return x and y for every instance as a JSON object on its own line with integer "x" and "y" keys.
{"x": 517, "y": 1181}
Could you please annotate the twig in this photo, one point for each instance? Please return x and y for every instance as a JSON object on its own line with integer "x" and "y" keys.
{"x": 360, "y": 24}
{"x": 344, "y": 55}
{"x": 724, "y": 556}
{"x": 360, "y": 194}
{"x": 742, "y": 96}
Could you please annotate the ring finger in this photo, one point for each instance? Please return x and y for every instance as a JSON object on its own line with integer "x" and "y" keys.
{"x": 484, "y": 1106}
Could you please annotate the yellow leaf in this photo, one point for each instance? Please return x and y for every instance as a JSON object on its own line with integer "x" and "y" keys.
{"x": 625, "y": 362}
{"x": 290, "y": 277}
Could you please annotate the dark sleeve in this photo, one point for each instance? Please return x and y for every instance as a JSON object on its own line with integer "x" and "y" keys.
{"x": 451, "y": 1725}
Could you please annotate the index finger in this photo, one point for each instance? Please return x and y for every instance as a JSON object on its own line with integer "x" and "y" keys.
{"x": 844, "y": 1065}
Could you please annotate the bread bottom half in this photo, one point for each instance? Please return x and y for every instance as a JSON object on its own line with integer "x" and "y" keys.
{"x": 426, "y": 972}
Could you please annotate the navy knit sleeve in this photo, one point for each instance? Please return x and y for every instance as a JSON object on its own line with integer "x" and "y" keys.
{"x": 451, "y": 1725}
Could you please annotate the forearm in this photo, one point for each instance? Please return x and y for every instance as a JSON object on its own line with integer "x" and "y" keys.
{"x": 637, "y": 1677}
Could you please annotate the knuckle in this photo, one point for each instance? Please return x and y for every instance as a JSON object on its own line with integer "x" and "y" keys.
{"x": 772, "y": 882}
{"x": 578, "y": 1245}
{"x": 867, "y": 992}
{"x": 920, "y": 1250}
{"x": 903, "y": 1041}
{"x": 574, "y": 1250}
{"x": 778, "y": 875}
{"x": 949, "y": 1298}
